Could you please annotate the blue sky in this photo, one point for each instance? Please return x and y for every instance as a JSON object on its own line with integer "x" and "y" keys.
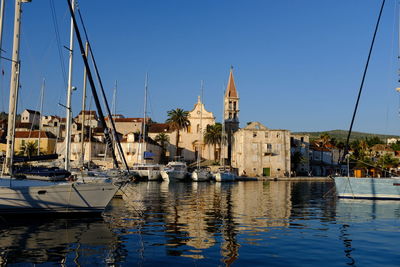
{"x": 297, "y": 63}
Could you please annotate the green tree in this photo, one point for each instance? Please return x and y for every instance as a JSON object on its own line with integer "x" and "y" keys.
{"x": 296, "y": 159}
{"x": 178, "y": 120}
{"x": 395, "y": 146}
{"x": 28, "y": 149}
{"x": 213, "y": 136}
{"x": 163, "y": 140}
{"x": 374, "y": 141}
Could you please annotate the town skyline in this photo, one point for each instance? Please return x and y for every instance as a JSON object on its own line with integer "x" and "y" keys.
{"x": 294, "y": 67}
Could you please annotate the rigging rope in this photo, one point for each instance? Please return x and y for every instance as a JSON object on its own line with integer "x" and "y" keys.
{"x": 60, "y": 54}
{"x": 363, "y": 79}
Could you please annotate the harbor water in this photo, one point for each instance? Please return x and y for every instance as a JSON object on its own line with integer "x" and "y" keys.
{"x": 255, "y": 223}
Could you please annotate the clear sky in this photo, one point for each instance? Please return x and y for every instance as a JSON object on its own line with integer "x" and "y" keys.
{"x": 297, "y": 63}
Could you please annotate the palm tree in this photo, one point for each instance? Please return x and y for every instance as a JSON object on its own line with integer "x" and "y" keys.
{"x": 213, "y": 136}
{"x": 178, "y": 120}
{"x": 28, "y": 149}
{"x": 163, "y": 140}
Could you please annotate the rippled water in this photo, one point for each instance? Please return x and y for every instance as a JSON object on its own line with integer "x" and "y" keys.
{"x": 215, "y": 224}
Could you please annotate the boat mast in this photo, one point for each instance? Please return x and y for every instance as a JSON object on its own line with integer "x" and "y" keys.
{"x": 201, "y": 125}
{"x": 69, "y": 94}
{"x": 84, "y": 111}
{"x": 14, "y": 84}
{"x": 144, "y": 118}
{"x": 1, "y": 24}
{"x": 94, "y": 93}
{"x": 40, "y": 115}
{"x": 222, "y": 160}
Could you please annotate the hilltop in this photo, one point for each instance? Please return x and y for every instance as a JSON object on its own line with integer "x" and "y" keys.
{"x": 341, "y": 135}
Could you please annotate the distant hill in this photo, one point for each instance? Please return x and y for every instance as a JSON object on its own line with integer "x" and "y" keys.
{"x": 341, "y": 135}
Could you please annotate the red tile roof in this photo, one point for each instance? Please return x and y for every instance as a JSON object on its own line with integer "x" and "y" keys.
{"x": 160, "y": 128}
{"x": 34, "y": 134}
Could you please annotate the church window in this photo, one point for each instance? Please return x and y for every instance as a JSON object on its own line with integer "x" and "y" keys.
{"x": 189, "y": 129}
{"x": 266, "y": 135}
{"x": 254, "y": 134}
{"x": 198, "y": 128}
{"x": 234, "y": 105}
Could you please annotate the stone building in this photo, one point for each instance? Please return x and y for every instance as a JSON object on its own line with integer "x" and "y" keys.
{"x": 231, "y": 114}
{"x": 135, "y": 151}
{"x": 259, "y": 151}
{"x": 300, "y": 153}
{"x": 47, "y": 141}
{"x": 30, "y": 116}
{"x": 191, "y": 140}
{"x": 127, "y": 125}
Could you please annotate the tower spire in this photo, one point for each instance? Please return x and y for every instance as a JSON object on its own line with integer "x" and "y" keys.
{"x": 231, "y": 112}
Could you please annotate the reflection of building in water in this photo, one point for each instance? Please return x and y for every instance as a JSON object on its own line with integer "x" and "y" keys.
{"x": 255, "y": 201}
{"x": 188, "y": 216}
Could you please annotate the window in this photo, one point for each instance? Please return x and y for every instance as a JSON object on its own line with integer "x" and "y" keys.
{"x": 254, "y": 134}
{"x": 198, "y": 128}
{"x": 266, "y": 134}
{"x": 302, "y": 139}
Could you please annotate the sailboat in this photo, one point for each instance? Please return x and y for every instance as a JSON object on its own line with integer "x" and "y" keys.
{"x": 367, "y": 187}
{"x": 200, "y": 174}
{"x": 28, "y": 196}
{"x": 144, "y": 170}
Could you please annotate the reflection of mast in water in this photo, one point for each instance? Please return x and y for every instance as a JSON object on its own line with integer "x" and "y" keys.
{"x": 344, "y": 236}
{"x": 42, "y": 241}
{"x": 230, "y": 248}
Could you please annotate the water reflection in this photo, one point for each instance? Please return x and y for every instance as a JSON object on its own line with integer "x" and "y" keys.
{"x": 65, "y": 241}
{"x": 257, "y": 223}
{"x": 194, "y": 217}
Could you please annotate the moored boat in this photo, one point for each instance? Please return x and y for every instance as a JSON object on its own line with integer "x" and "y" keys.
{"x": 151, "y": 172}
{"x": 175, "y": 170}
{"x": 224, "y": 175}
{"x": 368, "y": 188}
{"x": 28, "y": 196}
{"x": 201, "y": 175}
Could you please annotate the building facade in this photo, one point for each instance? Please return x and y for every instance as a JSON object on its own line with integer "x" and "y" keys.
{"x": 259, "y": 151}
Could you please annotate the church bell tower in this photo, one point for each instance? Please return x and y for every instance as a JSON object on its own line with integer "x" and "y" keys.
{"x": 231, "y": 112}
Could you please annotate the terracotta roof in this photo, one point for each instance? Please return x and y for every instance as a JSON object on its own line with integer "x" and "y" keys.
{"x": 34, "y": 134}
{"x": 231, "y": 88}
{"x": 160, "y": 128}
{"x": 26, "y": 125}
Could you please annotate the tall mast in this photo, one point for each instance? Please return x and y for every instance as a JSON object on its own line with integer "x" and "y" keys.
{"x": 1, "y": 24}
{"x": 84, "y": 110}
{"x": 69, "y": 94}
{"x": 40, "y": 114}
{"x": 201, "y": 125}
{"x": 222, "y": 160}
{"x": 94, "y": 93}
{"x": 14, "y": 84}
{"x": 144, "y": 115}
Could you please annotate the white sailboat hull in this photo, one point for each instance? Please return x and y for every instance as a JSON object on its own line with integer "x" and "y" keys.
{"x": 174, "y": 175}
{"x": 224, "y": 177}
{"x": 42, "y": 197}
{"x": 200, "y": 176}
{"x": 151, "y": 175}
{"x": 368, "y": 188}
